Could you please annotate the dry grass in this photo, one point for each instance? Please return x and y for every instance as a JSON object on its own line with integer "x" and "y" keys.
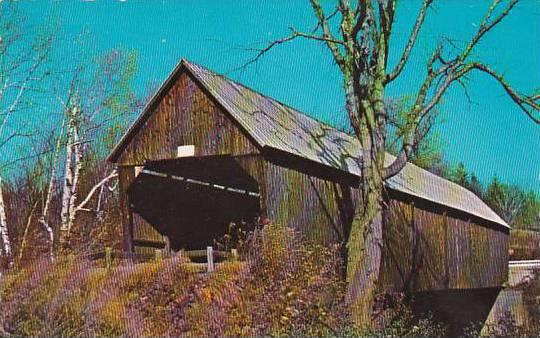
{"x": 282, "y": 286}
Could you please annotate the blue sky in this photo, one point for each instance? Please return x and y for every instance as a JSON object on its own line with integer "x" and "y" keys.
{"x": 491, "y": 136}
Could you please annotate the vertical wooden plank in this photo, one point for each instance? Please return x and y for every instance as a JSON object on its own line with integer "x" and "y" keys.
{"x": 302, "y": 202}
{"x": 431, "y": 253}
{"x": 186, "y": 115}
{"x": 142, "y": 230}
{"x": 108, "y": 257}
{"x": 126, "y": 175}
{"x": 397, "y": 258}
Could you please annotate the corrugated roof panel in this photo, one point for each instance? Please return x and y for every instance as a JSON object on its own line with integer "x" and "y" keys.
{"x": 413, "y": 180}
{"x": 273, "y": 124}
{"x": 276, "y": 125}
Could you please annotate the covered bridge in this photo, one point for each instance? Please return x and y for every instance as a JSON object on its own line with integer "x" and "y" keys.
{"x": 207, "y": 151}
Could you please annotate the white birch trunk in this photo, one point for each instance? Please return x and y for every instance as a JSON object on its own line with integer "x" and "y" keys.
{"x": 77, "y": 166}
{"x": 72, "y": 172}
{"x": 4, "y": 235}
{"x": 45, "y": 213}
{"x": 67, "y": 187}
{"x": 25, "y": 233}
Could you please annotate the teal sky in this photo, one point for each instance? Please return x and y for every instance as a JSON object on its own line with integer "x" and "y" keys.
{"x": 490, "y": 135}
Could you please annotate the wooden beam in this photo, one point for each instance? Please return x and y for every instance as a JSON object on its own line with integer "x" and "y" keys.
{"x": 199, "y": 182}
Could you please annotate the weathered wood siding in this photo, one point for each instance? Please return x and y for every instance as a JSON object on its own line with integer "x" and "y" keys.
{"x": 306, "y": 203}
{"x": 184, "y": 116}
{"x": 424, "y": 251}
{"x": 126, "y": 175}
{"x": 397, "y": 264}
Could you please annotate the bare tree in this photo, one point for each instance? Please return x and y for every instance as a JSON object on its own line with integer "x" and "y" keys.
{"x": 91, "y": 119}
{"x": 24, "y": 68}
{"x": 358, "y": 36}
{"x": 44, "y": 219}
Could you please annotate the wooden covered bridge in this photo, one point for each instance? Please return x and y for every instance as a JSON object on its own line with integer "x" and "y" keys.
{"x": 207, "y": 151}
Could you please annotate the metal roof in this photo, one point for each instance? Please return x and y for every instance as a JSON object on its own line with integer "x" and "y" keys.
{"x": 275, "y": 125}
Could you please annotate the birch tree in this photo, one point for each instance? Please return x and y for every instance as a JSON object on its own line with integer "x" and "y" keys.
{"x": 73, "y": 165}
{"x": 91, "y": 120}
{"x": 358, "y": 36}
{"x": 5, "y": 249}
{"x": 24, "y": 70}
{"x": 44, "y": 218}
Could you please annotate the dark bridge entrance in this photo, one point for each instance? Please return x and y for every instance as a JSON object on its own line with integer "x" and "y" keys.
{"x": 193, "y": 200}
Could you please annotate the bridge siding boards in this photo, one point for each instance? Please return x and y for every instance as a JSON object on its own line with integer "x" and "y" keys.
{"x": 126, "y": 175}
{"x": 428, "y": 251}
{"x": 185, "y": 115}
{"x": 427, "y": 246}
{"x": 303, "y": 202}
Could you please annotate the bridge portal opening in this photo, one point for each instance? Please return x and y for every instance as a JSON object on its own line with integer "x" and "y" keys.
{"x": 194, "y": 200}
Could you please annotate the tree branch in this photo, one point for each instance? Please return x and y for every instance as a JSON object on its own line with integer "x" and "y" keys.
{"x": 527, "y": 104}
{"x": 295, "y": 34}
{"x": 451, "y": 71}
{"x": 327, "y": 33}
{"x": 92, "y": 191}
{"x": 410, "y": 43}
{"x": 486, "y": 26}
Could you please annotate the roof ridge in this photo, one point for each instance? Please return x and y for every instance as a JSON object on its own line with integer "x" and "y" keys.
{"x": 188, "y": 62}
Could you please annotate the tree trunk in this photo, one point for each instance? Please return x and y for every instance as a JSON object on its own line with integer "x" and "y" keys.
{"x": 5, "y": 250}
{"x": 363, "y": 277}
{"x": 365, "y": 238}
{"x": 71, "y": 179}
{"x": 25, "y": 233}
{"x": 66, "y": 187}
{"x": 365, "y": 250}
{"x": 45, "y": 212}
{"x": 77, "y": 165}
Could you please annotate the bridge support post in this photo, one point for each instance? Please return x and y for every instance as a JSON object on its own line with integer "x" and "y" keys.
{"x": 210, "y": 258}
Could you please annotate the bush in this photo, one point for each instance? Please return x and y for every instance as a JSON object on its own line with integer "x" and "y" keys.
{"x": 288, "y": 288}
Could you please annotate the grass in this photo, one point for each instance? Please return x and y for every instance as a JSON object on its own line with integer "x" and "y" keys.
{"x": 281, "y": 286}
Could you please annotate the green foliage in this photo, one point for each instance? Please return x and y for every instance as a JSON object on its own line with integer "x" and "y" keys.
{"x": 430, "y": 155}
{"x": 400, "y": 321}
{"x": 532, "y": 302}
{"x": 476, "y": 186}
{"x": 460, "y": 175}
{"x": 507, "y": 326}
{"x": 518, "y": 207}
{"x": 113, "y": 83}
{"x": 529, "y": 215}
{"x": 429, "y": 152}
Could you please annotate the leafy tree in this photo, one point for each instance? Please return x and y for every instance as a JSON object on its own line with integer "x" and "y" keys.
{"x": 518, "y": 208}
{"x": 460, "y": 175}
{"x": 476, "y": 186}
{"x": 528, "y": 216}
